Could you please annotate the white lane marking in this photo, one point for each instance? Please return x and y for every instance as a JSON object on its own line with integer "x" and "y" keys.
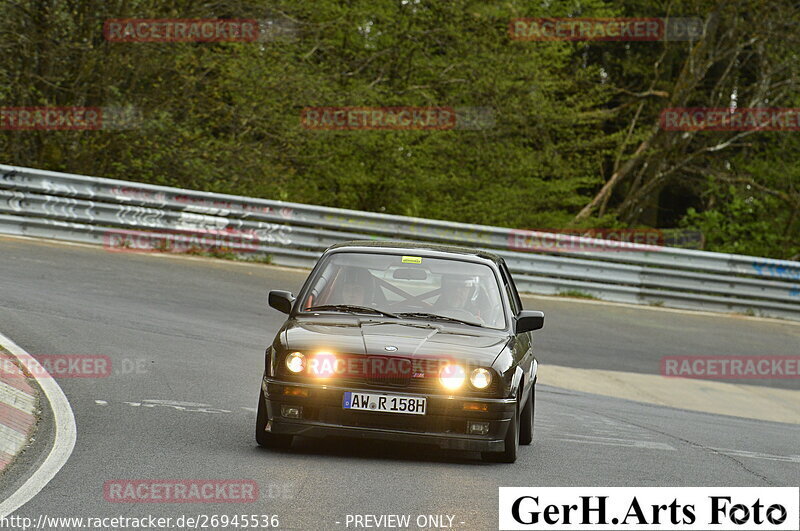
{"x": 65, "y": 432}
{"x": 191, "y": 407}
{"x": 610, "y": 441}
{"x": 758, "y": 455}
{"x": 175, "y": 403}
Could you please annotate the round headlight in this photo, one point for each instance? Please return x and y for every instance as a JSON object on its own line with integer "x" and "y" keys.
{"x": 452, "y": 376}
{"x": 322, "y": 365}
{"x": 296, "y": 362}
{"x": 480, "y": 378}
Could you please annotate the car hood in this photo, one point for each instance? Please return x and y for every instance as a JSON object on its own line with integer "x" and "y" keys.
{"x": 413, "y": 339}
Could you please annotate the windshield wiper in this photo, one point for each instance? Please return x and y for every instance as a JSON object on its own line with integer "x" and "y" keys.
{"x": 350, "y": 309}
{"x": 437, "y": 317}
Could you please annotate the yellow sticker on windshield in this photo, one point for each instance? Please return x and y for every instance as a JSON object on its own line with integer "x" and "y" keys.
{"x": 412, "y": 259}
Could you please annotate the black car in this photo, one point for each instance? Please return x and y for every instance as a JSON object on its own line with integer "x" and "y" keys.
{"x": 406, "y": 342}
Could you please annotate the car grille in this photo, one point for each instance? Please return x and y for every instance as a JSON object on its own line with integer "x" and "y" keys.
{"x": 402, "y": 378}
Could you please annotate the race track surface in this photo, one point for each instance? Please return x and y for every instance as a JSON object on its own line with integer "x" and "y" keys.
{"x": 196, "y": 330}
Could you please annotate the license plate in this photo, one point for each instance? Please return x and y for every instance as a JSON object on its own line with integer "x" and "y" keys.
{"x": 385, "y": 403}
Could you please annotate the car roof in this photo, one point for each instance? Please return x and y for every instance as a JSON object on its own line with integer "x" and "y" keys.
{"x": 426, "y": 249}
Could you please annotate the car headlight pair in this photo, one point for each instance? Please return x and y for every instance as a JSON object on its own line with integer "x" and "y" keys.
{"x": 452, "y": 377}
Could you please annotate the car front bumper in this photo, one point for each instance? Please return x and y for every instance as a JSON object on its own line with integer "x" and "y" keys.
{"x": 444, "y": 423}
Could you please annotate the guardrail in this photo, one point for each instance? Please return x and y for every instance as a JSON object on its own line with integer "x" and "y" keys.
{"x": 111, "y": 212}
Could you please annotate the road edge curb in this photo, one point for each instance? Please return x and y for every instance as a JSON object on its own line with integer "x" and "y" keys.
{"x": 19, "y": 409}
{"x": 64, "y": 428}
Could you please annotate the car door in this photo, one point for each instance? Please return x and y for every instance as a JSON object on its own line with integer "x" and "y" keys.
{"x": 521, "y": 344}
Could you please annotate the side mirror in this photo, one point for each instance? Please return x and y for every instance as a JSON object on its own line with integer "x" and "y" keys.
{"x": 528, "y": 320}
{"x": 281, "y": 300}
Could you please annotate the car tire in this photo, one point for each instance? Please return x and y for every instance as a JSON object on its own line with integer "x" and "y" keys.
{"x": 526, "y": 418}
{"x": 264, "y": 438}
{"x": 509, "y": 454}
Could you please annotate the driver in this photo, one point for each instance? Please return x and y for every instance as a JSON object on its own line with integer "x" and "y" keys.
{"x": 459, "y": 294}
{"x": 355, "y": 286}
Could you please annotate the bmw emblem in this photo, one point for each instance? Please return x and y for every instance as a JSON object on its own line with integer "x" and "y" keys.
{"x": 390, "y": 348}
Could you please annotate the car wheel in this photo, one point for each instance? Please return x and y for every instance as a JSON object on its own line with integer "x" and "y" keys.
{"x": 526, "y": 419}
{"x": 509, "y": 454}
{"x": 265, "y": 438}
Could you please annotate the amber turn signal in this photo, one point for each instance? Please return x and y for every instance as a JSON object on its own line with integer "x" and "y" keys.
{"x": 295, "y": 391}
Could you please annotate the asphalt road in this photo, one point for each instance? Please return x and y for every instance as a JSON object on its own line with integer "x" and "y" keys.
{"x": 186, "y": 340}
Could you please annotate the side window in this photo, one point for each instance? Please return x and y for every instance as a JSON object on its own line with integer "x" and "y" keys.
{"x": 511, "y": 291}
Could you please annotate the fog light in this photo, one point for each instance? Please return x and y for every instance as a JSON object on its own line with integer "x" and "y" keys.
{"x": 292, "y": 412}
{"x": 477, "y": 428}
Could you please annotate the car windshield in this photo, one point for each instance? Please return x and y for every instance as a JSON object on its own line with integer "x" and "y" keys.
{"x": 395, "y": 285}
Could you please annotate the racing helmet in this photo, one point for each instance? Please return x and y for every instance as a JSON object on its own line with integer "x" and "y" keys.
{"x": 454, "y": 283}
